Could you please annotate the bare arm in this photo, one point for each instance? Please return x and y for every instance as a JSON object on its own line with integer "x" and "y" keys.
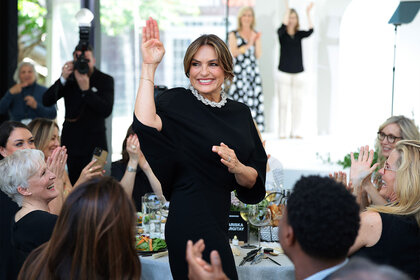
{"x": 308, "y": 14}
{"x": 287, "y": 13}
{"x": 369, "y": 232}
{"x": 152, "y": 52}
{"x": 127, "y": 181}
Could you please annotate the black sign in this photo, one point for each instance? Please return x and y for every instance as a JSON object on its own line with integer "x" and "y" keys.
{"x": 237, "y": 226}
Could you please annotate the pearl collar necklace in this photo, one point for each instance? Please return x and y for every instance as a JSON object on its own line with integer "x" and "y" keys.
{"x": 208, "y": 102}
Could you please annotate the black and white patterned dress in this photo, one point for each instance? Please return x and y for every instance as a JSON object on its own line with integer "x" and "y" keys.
{"x": 246, "y": 86}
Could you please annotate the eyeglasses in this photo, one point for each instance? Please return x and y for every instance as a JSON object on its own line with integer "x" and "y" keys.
{"x": 390, "y": 138}
{"x": 387, "y": 167}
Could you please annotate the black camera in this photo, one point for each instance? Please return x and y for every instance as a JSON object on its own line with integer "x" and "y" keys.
{"x": 81, "y": 64}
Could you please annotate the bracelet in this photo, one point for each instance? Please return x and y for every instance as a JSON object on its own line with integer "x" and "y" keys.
{"x": 141, "y": 78}
{"x": 131, "y": 169}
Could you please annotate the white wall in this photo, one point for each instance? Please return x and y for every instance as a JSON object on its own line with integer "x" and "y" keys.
{"x": 348, "y": 60}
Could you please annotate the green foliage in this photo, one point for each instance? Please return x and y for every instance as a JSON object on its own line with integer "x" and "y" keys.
{"x": 117, "y": 16}
{"x": 346, "y": 162}
{"x": 31, "y": 19}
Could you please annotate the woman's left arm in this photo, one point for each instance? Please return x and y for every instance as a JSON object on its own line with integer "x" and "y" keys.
{"x": 245, "y": 176}
{"x": 308, "y": 14}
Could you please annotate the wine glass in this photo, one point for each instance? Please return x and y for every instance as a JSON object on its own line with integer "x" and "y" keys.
{"x": 244, "y": 215}
{"x": 153, "y": 203}
{"x": 259, "y": 215}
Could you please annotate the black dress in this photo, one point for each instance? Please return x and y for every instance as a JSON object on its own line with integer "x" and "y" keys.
{"x": 193, "y": 178}
{"x": 398, "y": 246}
{"x": 141, "y": 183}
{"x": 8, "y": 209}
{"x": 31, "y": 231}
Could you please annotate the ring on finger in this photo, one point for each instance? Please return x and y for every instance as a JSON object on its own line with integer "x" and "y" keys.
{"x": 133, "y": 146}
{"x": 229, "y": 158}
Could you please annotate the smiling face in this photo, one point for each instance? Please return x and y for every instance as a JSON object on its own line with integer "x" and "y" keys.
{"x": 27, "y": 75}
{"x": 389, "y": 175}
{"x": 52, "y": 144}
{"x": 206, "y": 75}
{"x": 247, "y": 19}
{"x": 19, "y": 139}
{"x": 392, "y": 130}
{"x": 41, "y": 185}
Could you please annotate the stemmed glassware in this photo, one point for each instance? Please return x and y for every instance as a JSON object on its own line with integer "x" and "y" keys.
{"x": 259, "y": 215}
{"x": 154, "y": 204}
{"x": 244, "y": 214}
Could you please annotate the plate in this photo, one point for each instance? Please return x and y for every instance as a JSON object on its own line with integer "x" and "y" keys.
{"x": 149, "y": 253}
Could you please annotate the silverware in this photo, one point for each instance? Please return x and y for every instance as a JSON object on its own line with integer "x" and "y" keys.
{"x": 250, "y": 256}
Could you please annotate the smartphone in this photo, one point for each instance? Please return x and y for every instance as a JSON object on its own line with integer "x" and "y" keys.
{"x": 100, "y": 156}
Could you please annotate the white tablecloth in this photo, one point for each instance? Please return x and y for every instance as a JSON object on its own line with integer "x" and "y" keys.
{"x": 158, "y": 269}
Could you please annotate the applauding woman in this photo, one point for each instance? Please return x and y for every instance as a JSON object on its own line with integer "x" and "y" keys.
{"x": 245, "y": 45}
{"x": 200, "y": 145}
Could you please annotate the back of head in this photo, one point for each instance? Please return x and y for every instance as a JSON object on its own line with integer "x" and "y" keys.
{"x": 363, "y": 269}
{"x": 42, "y": 129}
{"x": 93, "y": 237}
{"x": 324, "y": 217}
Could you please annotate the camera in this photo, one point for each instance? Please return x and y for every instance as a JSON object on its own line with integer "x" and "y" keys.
{"x": 81, "y": 64}
{"x": 83, "y": 17}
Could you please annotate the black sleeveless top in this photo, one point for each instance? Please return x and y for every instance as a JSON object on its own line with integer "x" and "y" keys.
{"x": 399, "y": 245}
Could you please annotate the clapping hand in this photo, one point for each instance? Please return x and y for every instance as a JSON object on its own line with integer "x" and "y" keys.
{"x": 56, "y": 163}
{"x": 30, "y": 101}
{"x": 17, "y": 88}
{"x": 199, "y": 269}
{"x": 152, "y": 49}
{"x": 361, "y": 168}
{"x": 341, "y": 177}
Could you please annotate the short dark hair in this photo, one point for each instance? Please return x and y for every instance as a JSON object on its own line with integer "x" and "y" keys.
{"x": 324, "y": 217}
{"x": 80, "y": 48}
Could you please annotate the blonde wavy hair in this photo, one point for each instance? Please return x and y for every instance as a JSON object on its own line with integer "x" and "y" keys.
{"x": 408, "y": 129}
{"x": 407, "y": 186}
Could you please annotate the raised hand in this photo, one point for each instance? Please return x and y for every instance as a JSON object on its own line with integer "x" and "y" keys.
{"x": 309, "y": 7}
{"x": 361, "y": 168}
{"x": 56, "y": 163}
{"x": 67, "y": 69}
{"x": 152, "y": 49}
{"x": 90, "y": 171}
{"x": 199, "y": 269}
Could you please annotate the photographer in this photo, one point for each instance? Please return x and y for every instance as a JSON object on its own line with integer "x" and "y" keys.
{"x": 88, "y": 100}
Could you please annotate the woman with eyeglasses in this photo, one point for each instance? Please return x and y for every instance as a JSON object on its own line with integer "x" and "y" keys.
{"x": 394, "y": 129}
{"x": 390, "y": 234}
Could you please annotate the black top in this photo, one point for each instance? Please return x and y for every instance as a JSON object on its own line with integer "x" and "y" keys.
{"x": 291, "y": 49}
{"x": 399, "y": 245}
{"x": 86, "y": 111}
{"x": 141, "y": 183}
{"x": 8, "y": 209}
{"x": 193, "y": 178}
{"x": 31, "y": 231}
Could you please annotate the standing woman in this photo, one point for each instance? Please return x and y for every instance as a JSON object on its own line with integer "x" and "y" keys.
{"x": 200, "y": 145}
{"x": 245, "y": 46}
{"x": 289, "y": 78}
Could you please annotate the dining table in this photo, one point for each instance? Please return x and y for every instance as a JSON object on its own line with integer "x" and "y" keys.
{"x": 274, "y": 267}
